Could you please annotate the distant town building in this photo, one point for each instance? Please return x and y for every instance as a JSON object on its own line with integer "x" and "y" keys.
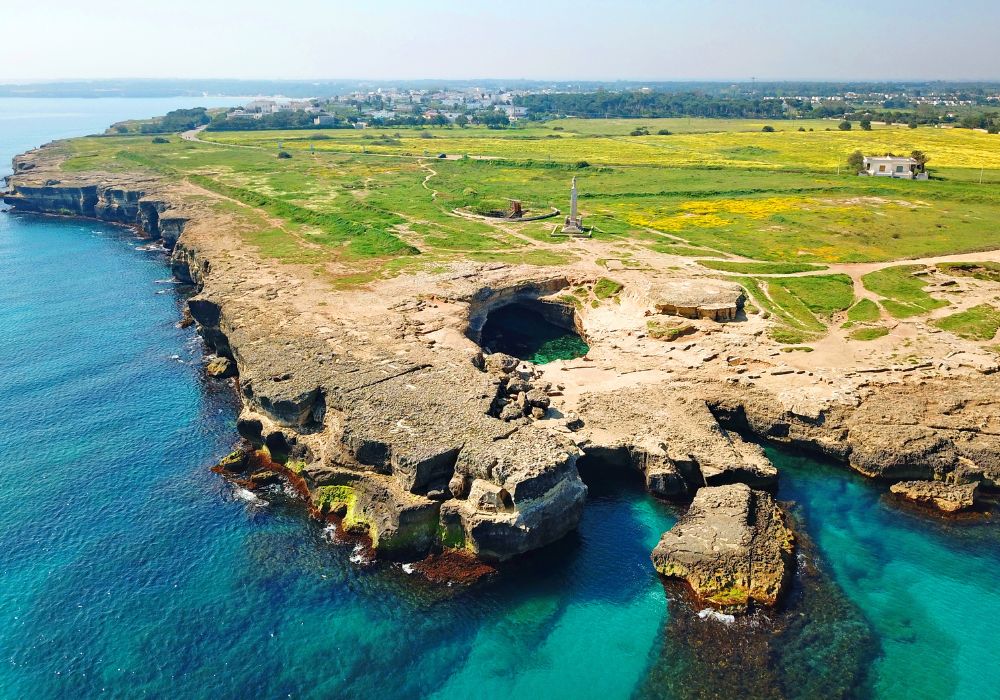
{"x": 261, "y": 106}
{"x": 893, "y": 166}
{"x": 515, "y": 113}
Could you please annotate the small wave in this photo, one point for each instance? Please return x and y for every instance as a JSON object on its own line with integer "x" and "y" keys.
{"x": 408, "y": 568}
{"x": 169, "y": 280}
{"x": 250, "y": 497}
{"x": 709, "y": 614}
{"x": 330, "y": 533}
{"x": 358, "y": 555}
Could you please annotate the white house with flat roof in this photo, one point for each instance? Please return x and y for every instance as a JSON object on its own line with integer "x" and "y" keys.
{"x": 261, "y": 106}
{"x": 893, "y": 166}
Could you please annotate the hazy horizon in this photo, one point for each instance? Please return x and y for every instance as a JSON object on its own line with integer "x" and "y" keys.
{"x": 493, "y": 79}
{"x": 553, "y": 40}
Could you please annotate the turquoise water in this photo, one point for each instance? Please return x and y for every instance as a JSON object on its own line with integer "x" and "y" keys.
{"x": 127, "y": 568}
{"x": 928, "y": 587}
{"x": 522, "y": 332}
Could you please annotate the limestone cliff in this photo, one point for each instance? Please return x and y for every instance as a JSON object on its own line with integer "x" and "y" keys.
{"x": 938, "y": 429}
{"x": 378, "y": 403}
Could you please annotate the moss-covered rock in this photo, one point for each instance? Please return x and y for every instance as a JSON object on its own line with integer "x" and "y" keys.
{"x": 236, "y": 461}
{"x": 733, "y": 547}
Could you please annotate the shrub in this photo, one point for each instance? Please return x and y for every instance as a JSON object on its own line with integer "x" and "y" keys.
{"x": 844, "y": 125}
{"x": 160, "y": 139}
{"x": 640, "y": 131}
{"x": 582, "y": 164}
{"x": 663, "y": 132}
{"x": 284, "y": 154}
{"x": 768, "y": 129}
{"x": 866, "y": 124}
{"x": 856, "y": 161}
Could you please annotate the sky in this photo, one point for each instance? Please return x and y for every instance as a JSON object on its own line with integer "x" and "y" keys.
{"x": 539, "y": 39}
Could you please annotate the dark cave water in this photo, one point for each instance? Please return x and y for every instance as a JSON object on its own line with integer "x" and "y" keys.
{"x": 524, "y": 333}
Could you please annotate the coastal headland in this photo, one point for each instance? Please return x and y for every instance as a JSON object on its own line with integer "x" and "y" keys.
{"x": 352, "y": 326}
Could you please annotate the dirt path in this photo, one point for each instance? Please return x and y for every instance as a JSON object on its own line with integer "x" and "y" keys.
{"x": 192, "y": 135}
{"x": 431, "y": 172}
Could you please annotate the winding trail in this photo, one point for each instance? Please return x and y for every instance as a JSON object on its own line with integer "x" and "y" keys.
{"x": 431, "y": 172}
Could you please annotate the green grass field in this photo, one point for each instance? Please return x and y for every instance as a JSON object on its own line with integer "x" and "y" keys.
{"x": 902, "y": 290}
{"x": 978, "y": 323}
{"x": 381, "y": 201}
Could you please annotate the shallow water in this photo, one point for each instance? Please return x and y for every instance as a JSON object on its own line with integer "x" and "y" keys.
{"x": 926, "y": 585}
{"x": 522, "y": 332}
{"x": 127, "y": 568}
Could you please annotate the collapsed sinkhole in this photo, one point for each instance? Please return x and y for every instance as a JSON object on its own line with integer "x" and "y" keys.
{"x": 534, "y": 330}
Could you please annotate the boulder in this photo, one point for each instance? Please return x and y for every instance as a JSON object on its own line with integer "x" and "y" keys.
{"x": 501, "y": 363}
{"x": 538, "y": 398}
{"x": 220, "y": 367}
{"x": 733, "y": 547}
{"x": 948, "y": 498}
{"x": 699, "y": 298}
{"x": 511, "y": 412}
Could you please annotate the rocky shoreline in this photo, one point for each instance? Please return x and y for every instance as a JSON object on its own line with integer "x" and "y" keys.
{"x": 384, "y": 413}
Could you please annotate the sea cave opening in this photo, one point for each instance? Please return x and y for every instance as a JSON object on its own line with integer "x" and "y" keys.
{"x": 535, "y": 331}
{"x": 610, "y": 471}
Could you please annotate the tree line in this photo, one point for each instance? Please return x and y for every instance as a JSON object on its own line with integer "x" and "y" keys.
{"x": 174, "y": 121}
{"x": 298, "y": 119}
{"x": 650, "y": 105}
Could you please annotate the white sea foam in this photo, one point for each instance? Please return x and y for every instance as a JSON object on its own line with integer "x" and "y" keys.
{"x": 408, "y": 568}
{"x": 358, "y": 555}
{"x": 330, "y": 533}
{"x": 250, "y": 497}
{"x": 709, "y": 614}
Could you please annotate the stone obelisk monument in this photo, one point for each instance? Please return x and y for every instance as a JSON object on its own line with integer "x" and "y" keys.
{"x": 573, "y": 224}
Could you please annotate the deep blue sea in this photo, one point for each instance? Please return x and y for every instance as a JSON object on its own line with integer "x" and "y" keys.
{"x": 128, "y": 569}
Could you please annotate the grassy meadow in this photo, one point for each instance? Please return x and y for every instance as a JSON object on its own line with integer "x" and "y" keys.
{"x": 748, "y": 204}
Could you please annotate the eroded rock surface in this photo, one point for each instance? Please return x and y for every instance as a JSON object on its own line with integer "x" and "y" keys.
{"x": 948, "y": 498}
{"x": 711, "y": 299}
{"x": 940, "y": 429}
{"x": 380, "y": 405}
{"x": 733, "y": 547}
{"x": 673, "y": 440}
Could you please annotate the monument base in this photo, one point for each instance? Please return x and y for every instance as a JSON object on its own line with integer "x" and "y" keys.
{"x": 572, "y": 231}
